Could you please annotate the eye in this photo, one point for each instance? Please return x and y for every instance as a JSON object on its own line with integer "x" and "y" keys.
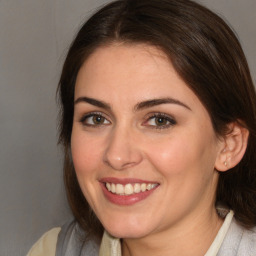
{"x": 94, "y": 119}
{"x": 160, "y": 121}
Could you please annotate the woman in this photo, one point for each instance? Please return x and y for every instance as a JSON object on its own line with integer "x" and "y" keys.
{"x": 158, "y": 124}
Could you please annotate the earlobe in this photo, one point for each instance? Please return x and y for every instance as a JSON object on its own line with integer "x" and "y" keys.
{"x": 232, "y": 147}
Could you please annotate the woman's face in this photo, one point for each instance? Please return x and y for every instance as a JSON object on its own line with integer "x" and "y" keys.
{"x": 143, "y": 145}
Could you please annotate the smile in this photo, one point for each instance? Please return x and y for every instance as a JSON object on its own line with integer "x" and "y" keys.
{"x": 129, "y": 189}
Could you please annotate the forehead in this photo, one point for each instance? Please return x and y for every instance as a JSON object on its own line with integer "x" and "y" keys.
{"x": 136, "y": 58}
{"x": 131, "y": 73}
{"x": 119, "y": 65}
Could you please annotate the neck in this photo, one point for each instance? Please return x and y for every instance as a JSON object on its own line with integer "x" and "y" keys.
{"x": 191, "y": 237}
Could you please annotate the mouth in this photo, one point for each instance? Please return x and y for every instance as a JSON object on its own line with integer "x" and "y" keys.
{"x": 130, "y": 188}
{"x": 127, "y": 191}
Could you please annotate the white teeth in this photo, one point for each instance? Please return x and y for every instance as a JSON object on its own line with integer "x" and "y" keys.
{"x": 149, "y": 186}
{"x": 129, "y": 189}
{"x": 143, "y": 187}
{"x": 108, "y": 185}
{"x": 113, "y": 188}
{"x": 119, "y": 189}
{"x": 136, "y": 188}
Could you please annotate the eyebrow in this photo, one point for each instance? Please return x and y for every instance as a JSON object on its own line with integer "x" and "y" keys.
{"x": 155, "y": 102}
{"x": 94, "y": 102}
{"x": 140, "y": 106}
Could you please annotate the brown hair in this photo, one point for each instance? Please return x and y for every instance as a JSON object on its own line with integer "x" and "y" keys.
{"x": 205, "y": 53}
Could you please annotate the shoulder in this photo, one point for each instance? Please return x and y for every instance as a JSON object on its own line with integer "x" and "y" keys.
{"x": 239, "y": 241}
{"x": 46, "y": 245}
{"x": 70, "y": 239}
{"x": 248, "y": 242}
{"x": 73, "y": 240}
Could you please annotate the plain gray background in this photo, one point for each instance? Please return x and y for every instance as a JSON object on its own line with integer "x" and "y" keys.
{"x": 34, "y": 36}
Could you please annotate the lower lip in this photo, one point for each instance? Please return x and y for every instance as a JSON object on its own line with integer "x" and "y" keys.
{"x": 126, "y": 199}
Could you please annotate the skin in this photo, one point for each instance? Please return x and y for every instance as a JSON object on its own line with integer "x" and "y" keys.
{"x": 179, "y": 153}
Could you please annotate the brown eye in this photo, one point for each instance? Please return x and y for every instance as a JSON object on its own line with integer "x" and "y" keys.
{"x": 94, "y": 120}
{"x": 160, "y": 121}
{"x": 98, "y": 120}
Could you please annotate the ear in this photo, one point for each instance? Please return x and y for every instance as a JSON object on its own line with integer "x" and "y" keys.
{"x": 232, "y": 147}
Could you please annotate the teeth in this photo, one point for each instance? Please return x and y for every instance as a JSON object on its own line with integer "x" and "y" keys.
{"x": 113, "y": 188}
{"x": 129, "y": 189}
{"x": 136, "y": 188}
{"x": 108, "y": 185}
{"x": 143, "y": 187}
{"x": 149, "y": 186}
{"x": 119, "y": 189}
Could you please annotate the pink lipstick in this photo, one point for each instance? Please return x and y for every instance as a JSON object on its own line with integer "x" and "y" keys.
{"x": 127, "y": 191}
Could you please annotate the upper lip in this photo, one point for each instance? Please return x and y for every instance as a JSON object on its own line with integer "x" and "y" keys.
{"x": 124, "y": 181}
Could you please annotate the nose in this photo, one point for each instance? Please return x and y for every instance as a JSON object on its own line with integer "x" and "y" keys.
{"x": 122, "y": 151}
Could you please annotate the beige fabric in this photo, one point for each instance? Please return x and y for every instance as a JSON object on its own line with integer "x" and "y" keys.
{"x": 46, "y": 245}
{"x": 110, "y": 246}
{"x": 214, "y": 248}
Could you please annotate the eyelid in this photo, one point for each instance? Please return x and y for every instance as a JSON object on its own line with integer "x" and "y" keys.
{"x": 91, "y": 114}
{"x": 168, "y": 117}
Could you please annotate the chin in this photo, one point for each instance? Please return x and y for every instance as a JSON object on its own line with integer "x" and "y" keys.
{"x": 124, "y": 230}
{"x": 132, "y": 234}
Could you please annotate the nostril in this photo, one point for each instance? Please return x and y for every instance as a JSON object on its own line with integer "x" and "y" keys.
{"x": 118, "y": 163}
{"x": 120, "y": 152}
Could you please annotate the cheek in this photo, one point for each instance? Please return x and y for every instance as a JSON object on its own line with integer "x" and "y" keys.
{"x": 85, "y": 154}
{"x": 181, "y": 155}
{"x": 172, "y": 156}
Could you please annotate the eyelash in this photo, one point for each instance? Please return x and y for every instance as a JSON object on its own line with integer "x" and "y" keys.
{"x": 165, "y": 118}
{"x": 170, "y": 121}
{"x": 93, "y": 114}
